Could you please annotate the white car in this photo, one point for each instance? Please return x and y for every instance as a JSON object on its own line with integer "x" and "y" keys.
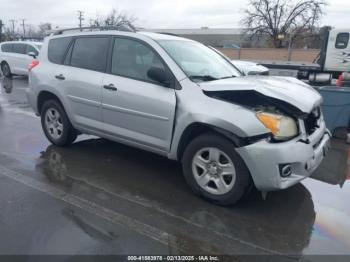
{"x": 250, "y": 68}
{"x": 15, "y": 56}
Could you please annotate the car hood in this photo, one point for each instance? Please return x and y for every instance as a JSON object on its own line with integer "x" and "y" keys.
{"x": 287, "y": 89}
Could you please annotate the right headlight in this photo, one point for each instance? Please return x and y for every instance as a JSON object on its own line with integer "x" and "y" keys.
{"x": 282, "y": 127}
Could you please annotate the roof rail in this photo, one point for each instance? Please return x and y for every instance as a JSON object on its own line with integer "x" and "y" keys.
{"x": 122, "y": 27}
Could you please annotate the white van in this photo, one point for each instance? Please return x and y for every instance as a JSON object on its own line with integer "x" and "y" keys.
{"x": 16, "y": 56}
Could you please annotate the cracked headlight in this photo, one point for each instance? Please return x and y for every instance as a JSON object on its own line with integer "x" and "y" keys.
{"x": 282, "y": 127}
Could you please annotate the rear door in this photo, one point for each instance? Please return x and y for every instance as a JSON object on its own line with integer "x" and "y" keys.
{"x": 136, "y": 108}
{"x": 19, "y": 58}
{"x": 80, "y": 79}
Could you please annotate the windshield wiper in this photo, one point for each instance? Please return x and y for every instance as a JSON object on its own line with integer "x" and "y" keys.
{"x": 203, "y": 77}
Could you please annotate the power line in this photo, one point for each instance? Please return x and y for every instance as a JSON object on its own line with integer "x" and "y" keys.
{"x": 81, "y": 18}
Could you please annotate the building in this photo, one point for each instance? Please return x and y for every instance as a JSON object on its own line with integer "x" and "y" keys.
{"x": 218, "y": 37}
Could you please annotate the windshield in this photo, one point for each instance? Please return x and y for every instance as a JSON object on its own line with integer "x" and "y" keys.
{"x": 199, "y": 62}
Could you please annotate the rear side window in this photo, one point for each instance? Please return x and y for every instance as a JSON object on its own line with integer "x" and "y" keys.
{"x": 31, "y": 49}
{"x": 342, "y": 40}
{"x": 6, "y": 48}
{"x": 90, "y": 53}
{"x": 19, "y": 48}
{"x": 57, "y": 49}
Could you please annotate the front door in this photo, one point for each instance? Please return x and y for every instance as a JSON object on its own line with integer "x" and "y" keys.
{"x": 135, "y": 108}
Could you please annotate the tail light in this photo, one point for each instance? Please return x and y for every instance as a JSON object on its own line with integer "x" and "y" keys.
{"x": 33, "y": 64}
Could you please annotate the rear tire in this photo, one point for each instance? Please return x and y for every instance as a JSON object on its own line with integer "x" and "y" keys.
{"x": 6, "y": 70}
{"x": 56, "y": 125}
{"x": 214, "y": 170}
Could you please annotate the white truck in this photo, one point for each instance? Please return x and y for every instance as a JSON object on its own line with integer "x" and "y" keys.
{"x": 335, "y": 53}
{"x": 333, "y": 60}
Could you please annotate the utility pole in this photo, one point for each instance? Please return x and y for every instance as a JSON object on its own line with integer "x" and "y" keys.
{"x": 1, "y": 26}
{"x": 81, "y": 18}
{"x": 24, "y": 28}
{"x": 13, "y": 21}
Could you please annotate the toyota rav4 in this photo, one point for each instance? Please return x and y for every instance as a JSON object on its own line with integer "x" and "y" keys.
{"x": 180, "y": 99}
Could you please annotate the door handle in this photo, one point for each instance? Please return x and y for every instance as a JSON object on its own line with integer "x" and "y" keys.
{"x": 110, "y": 87}
{"x": 60, "y": 77}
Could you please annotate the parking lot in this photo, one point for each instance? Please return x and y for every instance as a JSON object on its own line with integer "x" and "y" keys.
{"x": 100, "y": 197}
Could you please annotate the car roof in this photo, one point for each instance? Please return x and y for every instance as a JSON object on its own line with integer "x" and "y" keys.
{"x": 22, "y": 42}
{"x": 154, "y": 36}
{"x": 163, "y": 36}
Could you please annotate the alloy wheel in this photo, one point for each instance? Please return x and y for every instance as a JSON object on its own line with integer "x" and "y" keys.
{"x": 6, "y": 69}
{"x": 213, "y": 170}
{"x": 53, "y": 123}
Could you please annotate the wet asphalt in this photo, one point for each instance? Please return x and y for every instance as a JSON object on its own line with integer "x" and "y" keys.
{"x": 100, "y": 197}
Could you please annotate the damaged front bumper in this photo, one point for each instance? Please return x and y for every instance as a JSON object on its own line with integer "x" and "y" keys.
{"x": 265, "y": 159}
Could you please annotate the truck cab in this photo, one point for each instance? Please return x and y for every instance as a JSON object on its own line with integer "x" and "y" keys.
{"x": 337, "y": 57}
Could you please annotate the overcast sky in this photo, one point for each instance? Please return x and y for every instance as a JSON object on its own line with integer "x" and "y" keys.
{"x": 150, "y": 13}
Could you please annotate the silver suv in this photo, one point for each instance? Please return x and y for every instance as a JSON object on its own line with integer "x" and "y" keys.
{"x": 180, "y": 99}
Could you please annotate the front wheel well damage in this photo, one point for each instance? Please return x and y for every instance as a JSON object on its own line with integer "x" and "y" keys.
{"x": 196, "y": 129}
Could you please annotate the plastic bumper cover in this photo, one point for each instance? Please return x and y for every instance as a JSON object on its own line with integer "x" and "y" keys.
{"x": 263, "y": 159}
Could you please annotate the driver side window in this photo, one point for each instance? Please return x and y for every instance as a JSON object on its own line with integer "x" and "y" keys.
{"x": 132, "y": 59}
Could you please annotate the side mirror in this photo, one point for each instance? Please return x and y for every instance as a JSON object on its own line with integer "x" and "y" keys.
{"x": 32, "y": 54}
{"x": 160, "y": 75}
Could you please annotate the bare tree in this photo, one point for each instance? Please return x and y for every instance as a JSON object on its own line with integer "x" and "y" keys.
{"x": 282, "y": 19}
{"x": 114, "y": 19}
{"x": 44, "y": 28}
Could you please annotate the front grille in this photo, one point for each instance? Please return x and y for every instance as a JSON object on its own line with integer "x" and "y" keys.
{"x": 311, "y": 122}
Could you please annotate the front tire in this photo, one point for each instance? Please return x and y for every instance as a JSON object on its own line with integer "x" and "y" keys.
{"x": 214, "y": 170}
{"x": 56, "y": 125}
{"x": 6, "y": 70}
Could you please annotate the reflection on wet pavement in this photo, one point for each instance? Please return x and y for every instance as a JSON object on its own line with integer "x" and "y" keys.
{"x": 331, "y": 230}
{"x": 284, "y": 222}
{"x": 7, "y": 85}
{"x": 309, "y": 218}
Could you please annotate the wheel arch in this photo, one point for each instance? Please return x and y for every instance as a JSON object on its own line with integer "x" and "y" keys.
{"x": 196, "y": 129}
{"x": 45, "y": 96}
